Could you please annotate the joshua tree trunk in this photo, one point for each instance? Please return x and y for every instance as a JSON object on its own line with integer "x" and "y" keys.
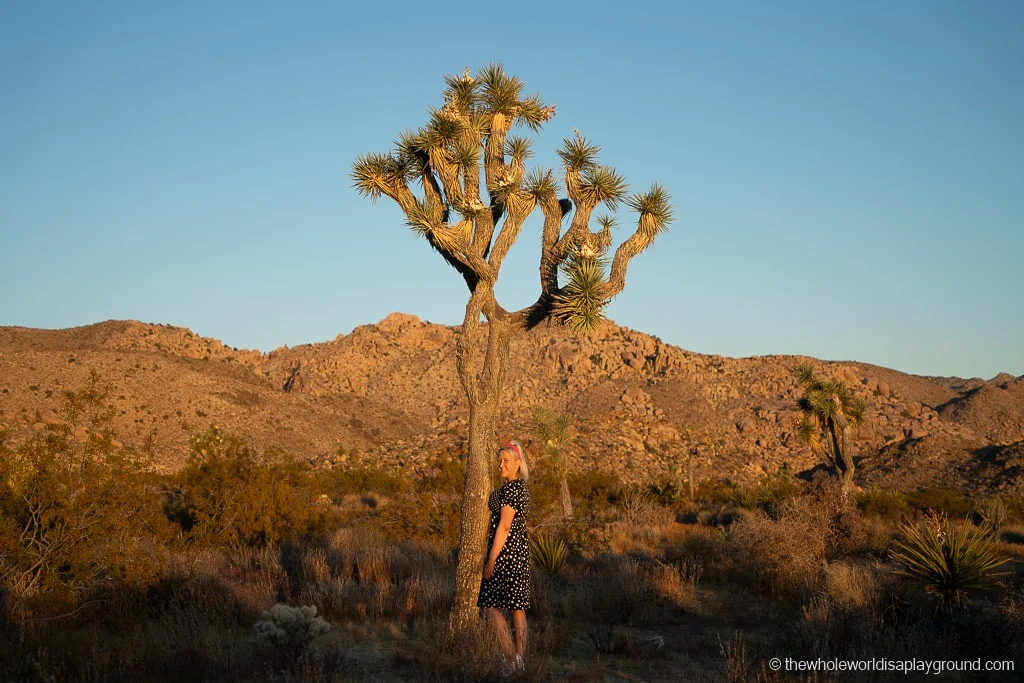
{"x": 566, "y": 498}
{"x": 689, "y": 476}
{"x": 842, "y": 460}
{"x": 482, "y": 384}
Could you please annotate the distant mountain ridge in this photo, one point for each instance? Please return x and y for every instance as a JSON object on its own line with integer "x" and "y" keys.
{"x": 391, "y": 392}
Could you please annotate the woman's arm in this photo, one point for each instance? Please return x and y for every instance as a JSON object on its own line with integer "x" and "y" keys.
{"x": 500, "y": 536}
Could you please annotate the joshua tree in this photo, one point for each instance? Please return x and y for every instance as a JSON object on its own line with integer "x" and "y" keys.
{"x": 474, "y": 196}
{"x": 829, "y": 411}
{"x": 556, "y": 436}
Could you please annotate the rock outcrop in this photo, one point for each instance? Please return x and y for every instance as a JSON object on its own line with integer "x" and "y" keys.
{"x": 391, "y": 391}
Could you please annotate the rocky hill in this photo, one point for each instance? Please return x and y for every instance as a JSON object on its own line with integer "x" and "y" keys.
{"x": 390, "y": 392}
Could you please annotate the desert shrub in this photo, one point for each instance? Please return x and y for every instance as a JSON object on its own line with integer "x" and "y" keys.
{"x": 783, "y": 557}
{"x": 290, "y": 628}
{"x": 769, "y": 493}
{"x": 776, "y": 488}
{"x": 445, "y": 475}
{"x": 433, "y": 657}
{"x": 639, "y": 507}
{"x": 75, "y": 514}
{"x": 726, "y": 491}
{"x": 548, "y": 552}
{"x": 232, "y": 496}
{"x": 887, "y": 503}
{"x": 595, "y": 488}
{"x": 701, "y": 547}
{"x": 735, "y": 659}
{"x": 852, "y": 585}
{"x": 545, "y": 494}
{"x": 420, "y": 516}
{"x": 940, "y": 500}
{"x": 668, "y": 494}
{"x": 675, "y": 583}
{"x": 948, "y": 558}
{"x": 340, "y": 481}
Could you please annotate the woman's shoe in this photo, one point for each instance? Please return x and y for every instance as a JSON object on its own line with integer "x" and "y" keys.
{"x": 508, "y": 669}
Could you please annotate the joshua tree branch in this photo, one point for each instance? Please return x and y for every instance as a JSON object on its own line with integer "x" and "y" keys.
{"x": 634, "y": 245}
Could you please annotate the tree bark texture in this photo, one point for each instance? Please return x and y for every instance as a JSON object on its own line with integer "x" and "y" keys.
{"x": 482, "y": 383}
{"x": 566, "y": 498}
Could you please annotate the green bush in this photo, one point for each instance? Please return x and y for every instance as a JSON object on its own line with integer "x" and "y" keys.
{"x": 596, "y": 486}
{"x": 887, "y": 503}
{"x": 770, "y": 492}
{"x": 233, "y": 497}
{"x": 941, "y": 500}
{"x": 950, "y": 559}
{"x": 76, "y": 514}
{"x": 445, "y": 475}
{"x": 727, "y": 492}
{"x": 338, "y": 482}
{"x": 775, "y": 489}
{"x": 668, "y": 494}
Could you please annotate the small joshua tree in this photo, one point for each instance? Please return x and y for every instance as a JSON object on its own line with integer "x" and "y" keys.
{"x": 475, "y": 194}
{"x": 556, "y": 435}
{"x": 829, "y": 410}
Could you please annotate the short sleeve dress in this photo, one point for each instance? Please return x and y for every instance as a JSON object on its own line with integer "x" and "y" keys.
{"x": 509, "y": 588}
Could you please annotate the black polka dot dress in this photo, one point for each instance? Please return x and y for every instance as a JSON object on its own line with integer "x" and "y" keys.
{"x": 509, "y": 588}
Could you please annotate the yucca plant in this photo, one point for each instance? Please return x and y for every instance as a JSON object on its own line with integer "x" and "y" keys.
{"x": 995, "y": 512}
{"x": 949, "y": 558}
{"x": 548, "y": 552}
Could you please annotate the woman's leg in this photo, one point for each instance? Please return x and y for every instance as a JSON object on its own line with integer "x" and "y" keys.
{"x": 519, "y": 621}
{"x": 500, "y": 626}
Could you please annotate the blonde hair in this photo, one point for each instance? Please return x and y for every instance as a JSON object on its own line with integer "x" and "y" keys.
{"x": 516, "y": 449}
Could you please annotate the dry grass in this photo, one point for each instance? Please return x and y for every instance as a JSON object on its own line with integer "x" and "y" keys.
{"x": 654, "y": 600}
{"x": 783, "y": 557}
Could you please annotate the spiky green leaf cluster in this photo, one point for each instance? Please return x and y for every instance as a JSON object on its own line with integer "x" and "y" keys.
{"x": 425, "y": 217}
{"x": 540, "y": 183}
{"x": 518, "y": 149}
{"x": 655, "y": 209}
{"x": 602, "y": 184}
{"x": 554, "y": 431}
{"x": 375, "y": 175}
{"x": 582, "y": 301}
{"x": 578, "y": 153}
{"x": 548, "y": 552}
{"x": 950, "y": 559}
{"x": 462, "y": 92}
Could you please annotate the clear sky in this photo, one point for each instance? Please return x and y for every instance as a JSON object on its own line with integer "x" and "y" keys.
{"x": 848, "y": 177}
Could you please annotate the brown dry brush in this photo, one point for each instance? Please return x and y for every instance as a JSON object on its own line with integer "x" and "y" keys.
{"x": 170, "y": 587}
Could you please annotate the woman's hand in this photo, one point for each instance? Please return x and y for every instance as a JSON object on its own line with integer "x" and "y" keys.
{"x": 508, "y": 513}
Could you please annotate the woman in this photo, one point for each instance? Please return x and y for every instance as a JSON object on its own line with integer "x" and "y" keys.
{"x": 506, "y": 582}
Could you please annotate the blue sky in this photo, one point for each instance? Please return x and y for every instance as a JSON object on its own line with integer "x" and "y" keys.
{"x": 848, "y": 177}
